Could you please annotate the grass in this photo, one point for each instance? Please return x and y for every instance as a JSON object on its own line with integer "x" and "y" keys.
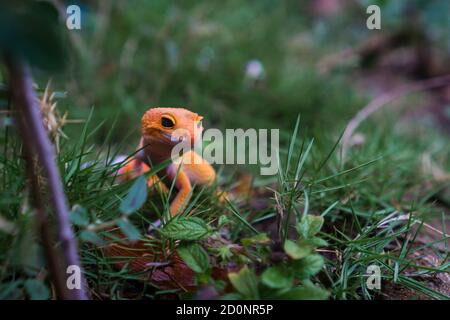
{"x": 354, "y": 199}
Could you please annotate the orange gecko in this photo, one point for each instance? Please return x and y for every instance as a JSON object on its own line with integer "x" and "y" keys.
{"x": 160, "y": 129}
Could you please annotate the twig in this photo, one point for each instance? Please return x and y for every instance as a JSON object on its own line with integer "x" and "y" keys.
{"x": 383, "y": 100}
{"x": 53, "y": 261}
{"x": 102, "y": 226}
{"x": 37, "y": 143}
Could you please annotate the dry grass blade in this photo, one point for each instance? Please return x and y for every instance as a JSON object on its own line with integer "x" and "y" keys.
{"x": 383, "y": 100}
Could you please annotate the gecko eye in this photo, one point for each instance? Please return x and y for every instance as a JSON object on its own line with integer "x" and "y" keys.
{"x": 199, "y": 124}
{"x": 167, "y": 122}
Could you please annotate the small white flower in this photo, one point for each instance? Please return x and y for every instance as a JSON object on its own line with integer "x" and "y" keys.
{"x": 254, "y": 70}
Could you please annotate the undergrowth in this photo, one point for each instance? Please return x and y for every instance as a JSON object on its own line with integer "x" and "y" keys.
{"x": 323, "y": 222}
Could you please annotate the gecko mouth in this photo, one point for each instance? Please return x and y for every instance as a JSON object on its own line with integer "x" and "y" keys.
{"x": 174, "y": 138}
{"x": 167, "y": 137}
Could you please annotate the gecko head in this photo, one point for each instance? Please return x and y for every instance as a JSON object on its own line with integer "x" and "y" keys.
{"x": 170, "y": 126}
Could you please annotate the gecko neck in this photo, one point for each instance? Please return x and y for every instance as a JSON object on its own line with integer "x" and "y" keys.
{"x": 156, "y": 152}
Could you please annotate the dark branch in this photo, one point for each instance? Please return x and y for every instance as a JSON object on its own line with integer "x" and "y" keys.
{"x": 37, "y": 143}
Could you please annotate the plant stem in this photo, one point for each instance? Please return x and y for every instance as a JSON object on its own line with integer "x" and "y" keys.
{"x": 37, "y": 143}
{"x": 383, "y": 100}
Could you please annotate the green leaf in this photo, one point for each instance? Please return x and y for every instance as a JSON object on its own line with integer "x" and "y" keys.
{"x": 231, "y": 296}
{"x": 195, "y": 257}
{"x": 224, "y": 251}
{"x": 308, "y": 266}
{"x": 317, "y": 242}
{"x": 10, "y": 290}
{"x": 277, "y": 277}
{"x": 295, "y": 251}
{"x": 79, "y": 216}
{"x": 260, "y": 238}
{"x": 310, "y": 226}
{"x": 223, "y": 220}
{"x": 28, "y": 252}
{"x": 136, "y": 196}
{"x": 306, "y": 292}
{"x": 37, "y": 290}
{"x": 33, "y": 30}
{"x": 245, "y": 282}
{"x": 182, "y": 228}
{"x": 129, "y": 229}
{"x": 92, "y": 237}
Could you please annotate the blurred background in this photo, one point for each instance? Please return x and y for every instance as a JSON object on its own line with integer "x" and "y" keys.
{"x": 250, "y": 63}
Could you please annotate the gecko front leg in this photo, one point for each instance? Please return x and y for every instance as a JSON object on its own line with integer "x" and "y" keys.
{"x": 184, "y": 187}
{"x": 136, "y": 167}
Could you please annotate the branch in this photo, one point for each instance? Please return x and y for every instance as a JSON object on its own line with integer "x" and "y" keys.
{"x": 54, "y": 263}
{"x": 383, "y": 100}
{"x": 38, "y": 145}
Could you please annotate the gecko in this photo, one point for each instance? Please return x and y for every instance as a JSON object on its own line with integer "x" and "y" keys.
{"x": 158, "y": 138}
